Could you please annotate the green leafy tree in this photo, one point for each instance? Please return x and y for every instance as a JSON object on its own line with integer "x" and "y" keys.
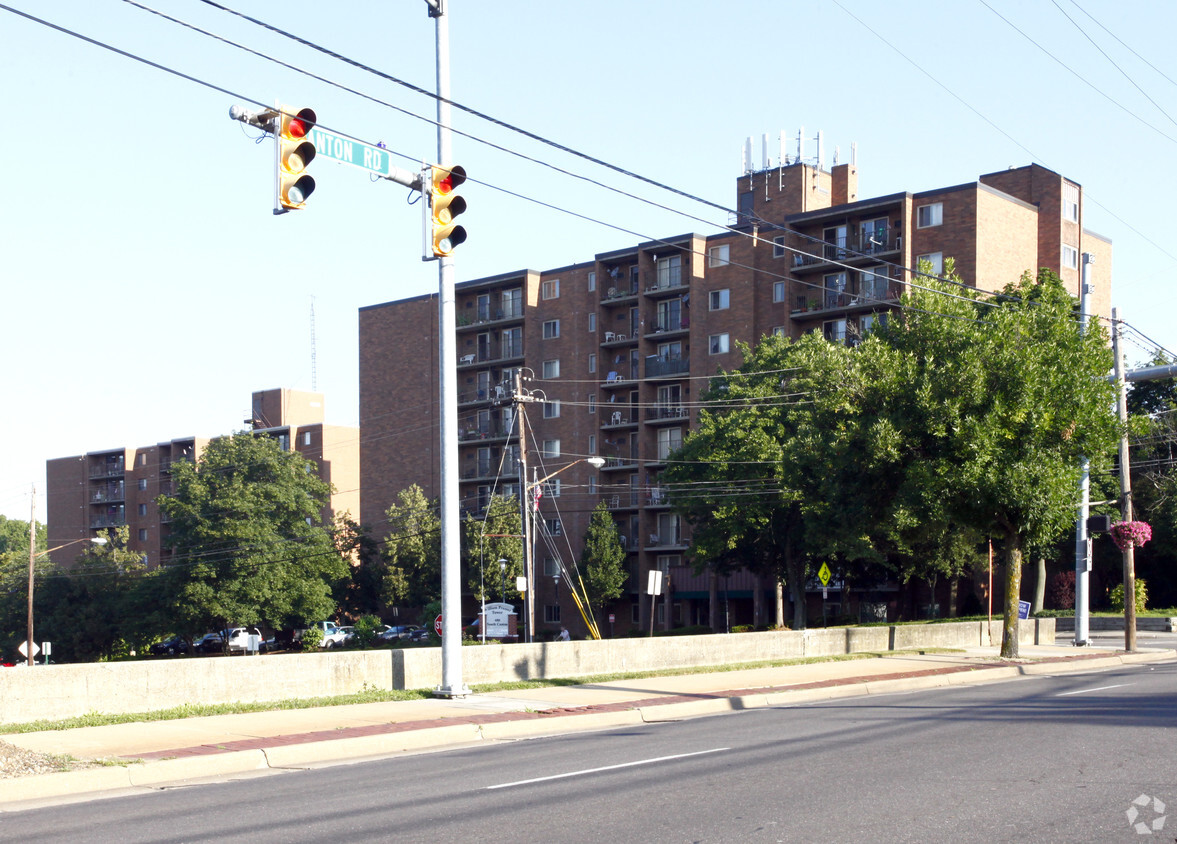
{"x": 362, "y": 589}
{"x": 412, "y": 550}
{"x": 248, "y": 542}
{"x": 486, "y": 540}
{"x": 603, "y": 560}
{"x": 97, "y": 609}
{"x": 14, "y": 580}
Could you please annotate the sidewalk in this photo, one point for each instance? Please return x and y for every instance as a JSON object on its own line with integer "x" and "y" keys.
{"x": 219, "y": 747}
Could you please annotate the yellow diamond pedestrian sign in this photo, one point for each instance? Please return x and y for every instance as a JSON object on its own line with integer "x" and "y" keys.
{"x": 823, "y": 574}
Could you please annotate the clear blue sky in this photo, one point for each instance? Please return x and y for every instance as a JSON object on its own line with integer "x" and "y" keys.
{"x": 148, "y": 289}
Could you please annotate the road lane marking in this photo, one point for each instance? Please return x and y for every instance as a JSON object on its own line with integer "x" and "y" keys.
{"x": 606, "y": 768}
{"x": 1098, "y": 689}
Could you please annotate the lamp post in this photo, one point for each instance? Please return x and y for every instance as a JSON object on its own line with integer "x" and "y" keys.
{"x": 33, "y": 555}
{"x": 502, "y": 580}
{"x": 530, "y": 510}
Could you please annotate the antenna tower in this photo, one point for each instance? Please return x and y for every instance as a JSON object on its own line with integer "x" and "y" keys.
{"x": 314, "y": 374}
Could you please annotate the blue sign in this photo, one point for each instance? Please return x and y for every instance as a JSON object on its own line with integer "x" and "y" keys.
{"x": 1023, "y": 609}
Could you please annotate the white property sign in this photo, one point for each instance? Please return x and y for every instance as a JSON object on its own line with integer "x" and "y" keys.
{"x": 498, "y": 620}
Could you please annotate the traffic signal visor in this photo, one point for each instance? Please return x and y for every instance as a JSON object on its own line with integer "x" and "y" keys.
{"x": 295, "y": 152}
{"x": 445, "y": 206}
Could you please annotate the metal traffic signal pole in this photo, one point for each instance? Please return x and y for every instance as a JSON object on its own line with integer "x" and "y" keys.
{"x": 451, "y": 595}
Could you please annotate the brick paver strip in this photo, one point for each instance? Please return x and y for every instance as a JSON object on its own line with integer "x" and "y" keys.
{"x": 498, "y": 717}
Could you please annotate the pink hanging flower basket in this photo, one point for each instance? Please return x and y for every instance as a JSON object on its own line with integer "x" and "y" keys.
{"x": 1130, "y": 534}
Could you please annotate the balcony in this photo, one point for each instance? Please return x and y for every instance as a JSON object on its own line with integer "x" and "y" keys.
{"x": 109, "y": 492}
{"x": 617, "y": 378}
{"x": 667, "y": 413}
{"x": 487, "y": 315}
{"x": 661, "y": 366}
{"x": 821, "y": 303}
{"x": 618, "y": 338}
{"x": 661, "y": 326}
{"x": 619, "y": 295}
{"x": 508, "y": 352}
{"x": 485, "y": 431}
{"x": 624, "y": 418}
{"x": 852, "y": 250}
{"x": 614, "y": 463}
{"x": 657, "y": 498}
{"x": 669, "y": 285}
{"x": 111, "y": 469}
{"x": 622, "y": 501}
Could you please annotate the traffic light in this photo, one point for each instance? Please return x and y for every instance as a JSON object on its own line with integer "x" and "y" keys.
{"x": 444, "y": 206}
{"x": 293, "y": 186}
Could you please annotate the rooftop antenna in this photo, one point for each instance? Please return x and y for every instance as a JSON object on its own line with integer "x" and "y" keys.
{"x": 748, "y": 155}
{"x": 314, "y": 374}
{"x": 767, "y": 159}
{"x": 801, "y": 145}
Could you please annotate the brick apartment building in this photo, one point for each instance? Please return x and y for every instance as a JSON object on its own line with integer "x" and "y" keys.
{"x": 120, "y": 486}
{"x": 621, "y": 346}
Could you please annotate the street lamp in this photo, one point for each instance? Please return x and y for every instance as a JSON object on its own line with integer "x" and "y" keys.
{"x": 530, "y": 508}
{"x": 502, "y": 580}
{"x": 33, "y": 555}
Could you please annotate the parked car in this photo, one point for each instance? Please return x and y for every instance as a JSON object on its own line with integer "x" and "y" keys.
{"x": 348, "y": 631}
{"x": 209, "y": 643}
{"x": 238, "y": 639}
{"x": 394, "y": 633}
{"x": 170, "y": 646}
{"x": 333, "y": 637}
{"x": 421, "y": 634}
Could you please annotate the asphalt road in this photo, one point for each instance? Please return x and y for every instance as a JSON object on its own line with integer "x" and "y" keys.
{"x": 1043, "y": 759}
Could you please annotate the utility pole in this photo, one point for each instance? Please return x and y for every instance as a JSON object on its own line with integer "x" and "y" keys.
{"x": 451, "y": 586}
{"x": 32, "y": 566}
{"x": 1082, "y": 540}
{"x": 1125, "y": 488}
{"x": 518, "y": 399}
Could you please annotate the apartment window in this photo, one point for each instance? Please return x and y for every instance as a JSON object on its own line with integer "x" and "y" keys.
{"x": 551, "y": 289}
{"x": 1071, "y": 202}
{"x": 143, "y": 483}
{"x": 779, "y": 331}
{"x": 1070, "y": 257}
{"x": 592, "y": 444}
{"x": 306, "y": 437}
{"x": 669, "y": 529}
{"x": 592, "y": 362}
{"x": 927, "y": 216}
{"x": 512, "y": 304}
{"x": 778, "y": 246}
{"x": 551, "y": 448}
{"x": 778, "y": 291}
{"x": 592, "y": 402}
{"x": 142, "y": 534}
{"x": 551, "y": 613}
{"x": 592, "y": 323}
{"x": 551, "y": 566}
{"x": 552, "y": 368}
{"x": 669, "y": 440}
{"x": 552, "y": 409}
{"x": 720, "y": 300}
{"x": 592, "y": 282}
{"x": 554, "y": 527}
{"x": 142, "y": 459}
{"x": 665, "y": 561}
{"x": 717, "y": 256}
{"x": 284, "y": 442}
{"x": 935, "y": 259}
{"x": 552, "y": 488}
{"x": 718, "y": 344}
{"x": 551, "y": 329}
{"x": 835, "y": 330}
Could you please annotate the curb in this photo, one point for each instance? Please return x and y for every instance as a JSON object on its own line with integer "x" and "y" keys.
{"x": 273, "y": 754}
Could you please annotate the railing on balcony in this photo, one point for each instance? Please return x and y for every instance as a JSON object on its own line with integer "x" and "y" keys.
{"x": 878, "y": 242}
{"x": 659, "y": 365}
{"x": 508, "y": 310}
{"x": 667, "y": 411}
{"x": 108, "y": 470}
{"x": 106, "y": 521}
{"x": 109, "y": 492}
{"x": 664, "y": 324}
{"x": 657, "y": 497}
{"x": 484, "y": 431}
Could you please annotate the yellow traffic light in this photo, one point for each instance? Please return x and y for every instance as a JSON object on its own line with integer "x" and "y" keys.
{"x": 296, "y": 150}
{"x": 444, "y": 206}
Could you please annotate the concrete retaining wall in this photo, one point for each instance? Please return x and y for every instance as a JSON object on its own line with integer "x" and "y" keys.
{"x": 63, "y": 691}
{"x": 1099, "y": 622}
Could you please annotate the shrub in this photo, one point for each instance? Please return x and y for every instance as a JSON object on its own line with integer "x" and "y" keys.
{"x": 312, "y": 637}
{"x": 1117, "y": 596}
{"x": 1062, "y": 590}
{"x": 366, "y": 627}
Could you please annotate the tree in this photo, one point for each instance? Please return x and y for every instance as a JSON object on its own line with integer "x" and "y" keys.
{"x": 102, "y": 606}
{"x": 1006, "y": 396}
{"x": 603, "y": 558}
{"x": 495, "y": 536}
{"x": 14, "y": 580}
{"x": 412, "y": 550}
{"x": 248, "y": 542}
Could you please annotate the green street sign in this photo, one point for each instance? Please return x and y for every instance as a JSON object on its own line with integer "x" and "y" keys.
{"x": 355, "y": 153}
